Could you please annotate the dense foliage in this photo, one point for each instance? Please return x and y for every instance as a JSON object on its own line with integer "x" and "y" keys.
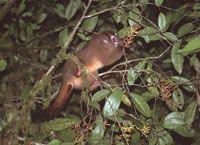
{"x": 151, "y": 96}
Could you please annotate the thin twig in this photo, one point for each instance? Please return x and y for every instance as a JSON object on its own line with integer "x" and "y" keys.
{"x": 141, "y": 59}
{"x": 103, "y": 11}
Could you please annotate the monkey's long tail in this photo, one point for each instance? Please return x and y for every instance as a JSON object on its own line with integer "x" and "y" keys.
{"x": 53, "y": 110}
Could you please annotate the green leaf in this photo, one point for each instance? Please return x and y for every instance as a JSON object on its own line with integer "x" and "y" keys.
{"x": 106, "y": 140}
{"x": 143, "y": 1}
{"x": 63, "y": 37}
{"x": 124, "y": 32}
{"x": 95, "y": 105}
{"x": 155, "y": 37}
{"x": 68, "y": 135}
{"x": 194, "y": 61}
{"x": 124, "y": 18}
{"x": 141, "y": 65}
{"x": 21, "y": 8}
{"x": 43, "y": 55}
{"x": 90, "y": 23}
{"x": 114, "y": 118}
{"x": 146, "y": 38}
{"x": 135, "y": 15}
{"x": 190, "y": 112}
{"x": 133, "y": 75}
{"x": 100, "y": 95}
{"x": 41, "y": 17}
{"x": 161, "y": 21}
{"x": 147, "y": 96}
{"x": 185, "y": 29}
{"x": 185, "y": 83}
{"x": 158, "y": 2}
{"x": 21, "y": 24}
{"x": 131, "y": 15}
{"x": 178, "y": 98}
{"x": 117, "y": 17}
{"x": 54, "y": 142}
{"x": 136, "y": 137}
{"x": 196, "y": 7}
{"x": 35, "y": 26}
{"x": 3, "y": 124}
{"x": 161, "y": 141}
{"x": 25, "y": 92}
{"x": 168, "y": 139}
{"x": 141, "y": 105}
{"x": 185, "y": 131}
{"x": 195, "y": 15}
{"x": 174, "y": 120}
{"x": 171, "y": 36}
{"x": 3, "y": 65}
{"x": 173, "y": 18}
{"x": 112, "y": 103}
{"x": 98, "y": 132}
{"x": 60, "y": 10}
{"x": 193, "y": 46}
{"x": 29, "y": 32}
{"x": 177, "y": 59}
{"x": 27, "y": 14}
{"x": 126, "y": 100}
{"x": 148, "y": 31}
{"x": 72, "y": 8}
{"x": 68, "y": 143}
{"x": 153, "y": 140}
{"x": 59, "y": 124}
{"x": 84, "y": 36}
{"x": 22, "y": 35}
{"x": 154, "y": 91}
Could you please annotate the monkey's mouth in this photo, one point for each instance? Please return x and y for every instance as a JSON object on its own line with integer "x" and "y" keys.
{"x": 117, "y": 41}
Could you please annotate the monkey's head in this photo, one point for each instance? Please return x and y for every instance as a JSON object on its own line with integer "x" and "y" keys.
{"x": 112, "y": 39}
{"x": 109, "y": 46}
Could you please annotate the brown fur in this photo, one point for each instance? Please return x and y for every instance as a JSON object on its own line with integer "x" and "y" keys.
{"x": 104, "y": 49}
